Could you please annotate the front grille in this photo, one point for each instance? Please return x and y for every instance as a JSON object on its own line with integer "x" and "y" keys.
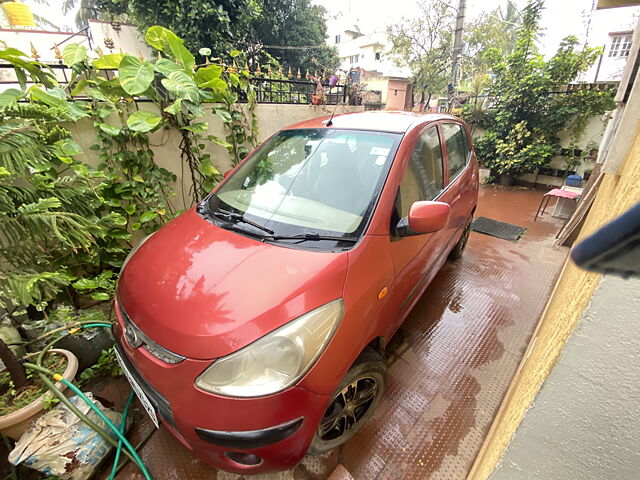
{"x": 136, "y": 339}
{"x": 160, "y": 403}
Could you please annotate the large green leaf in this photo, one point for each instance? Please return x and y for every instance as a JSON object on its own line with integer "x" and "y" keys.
{"x": 47, "y": 97}
{"x": 218, "y": 141}
{"x": 171, "y": 45}
{"x": 10, "y": 95}
{"x": 67, "y": 146}
{"x": 208, "y": 76}
{"x": 223, "y": 114}
{"x": 147, "y": 217}
{"x": 74, "y": 53}
{"x": 175, "y": 107}
{"x": 135, "y": 75}
{"x": 207, "y": 168}
{"x": 156, "y": 37}
{"x": 141, "y": 121}
{"x": 197, "y": 127}
{"x": 182, "y": 86}
{"x": 166, "y": 66}
{"x": 109, "y": 61}
{"x": 108, "y": 129}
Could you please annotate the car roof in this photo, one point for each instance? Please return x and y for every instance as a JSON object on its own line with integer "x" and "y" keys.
{"x": 380, "y": 120}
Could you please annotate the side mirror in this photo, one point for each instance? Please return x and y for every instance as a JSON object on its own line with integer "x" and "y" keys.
{"x": 227, "y": 173}
{"x": 429, "y": 217}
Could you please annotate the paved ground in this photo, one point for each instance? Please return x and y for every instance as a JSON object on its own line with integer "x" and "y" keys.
{"x": 450, "y": 365}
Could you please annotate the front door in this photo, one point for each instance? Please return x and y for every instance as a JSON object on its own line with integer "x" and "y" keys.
{"x": 423, "y": 179}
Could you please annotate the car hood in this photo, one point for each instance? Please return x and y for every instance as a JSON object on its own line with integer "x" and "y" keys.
{"x": 203, "y": 292}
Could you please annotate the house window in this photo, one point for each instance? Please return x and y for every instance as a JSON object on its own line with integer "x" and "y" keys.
{"x": 354, "y": 59}
{"x": 378, "y": 56}
{"x": 620, "y": 45}
{"x": 337, "y": 38}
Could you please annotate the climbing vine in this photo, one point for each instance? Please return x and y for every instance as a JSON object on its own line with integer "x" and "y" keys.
{"x": 68, "y": 224}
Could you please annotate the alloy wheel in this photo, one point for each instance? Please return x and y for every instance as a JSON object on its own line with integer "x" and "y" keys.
{"x": 348, "y": 408}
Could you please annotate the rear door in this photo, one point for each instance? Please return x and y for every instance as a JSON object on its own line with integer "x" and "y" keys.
{"x": 423, "y": 179}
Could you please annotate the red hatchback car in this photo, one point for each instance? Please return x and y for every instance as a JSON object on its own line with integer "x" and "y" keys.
{"x": 254, "y": 325}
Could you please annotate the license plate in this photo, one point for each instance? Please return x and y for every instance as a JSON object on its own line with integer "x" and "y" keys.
{"x": 139, "y": 392}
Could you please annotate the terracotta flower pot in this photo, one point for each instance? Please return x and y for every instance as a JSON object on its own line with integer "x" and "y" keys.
{"x": 14, "y": 424}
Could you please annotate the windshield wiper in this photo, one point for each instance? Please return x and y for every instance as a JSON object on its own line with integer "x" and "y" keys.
{"x": 241, "y": 219}
{"x": 313, "y": 236}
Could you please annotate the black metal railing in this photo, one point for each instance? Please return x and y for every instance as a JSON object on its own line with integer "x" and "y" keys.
{"x": 286, "y": 91}
{"x": 268, "y": 90}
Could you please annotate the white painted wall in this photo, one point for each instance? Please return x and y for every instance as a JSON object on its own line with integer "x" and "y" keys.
{"x": 585, "y": 422}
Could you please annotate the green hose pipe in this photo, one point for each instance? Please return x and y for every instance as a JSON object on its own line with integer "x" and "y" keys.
{"x": 65, "y": 334}
{"x": 61, "y": 396}
{"x": 62, "y": 329}
{"x": 130, "y": 451}
{"x": 88, "y": 325}
{"x": 137, "y": 447}
{"x": 104, "y": 418}
{"x": 123, "y": 425}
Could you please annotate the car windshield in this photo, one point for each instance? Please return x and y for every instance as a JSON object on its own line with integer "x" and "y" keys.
{"x": 309, "y": 181}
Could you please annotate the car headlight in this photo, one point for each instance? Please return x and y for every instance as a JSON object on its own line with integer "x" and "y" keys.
{"x": 277, "y": 360}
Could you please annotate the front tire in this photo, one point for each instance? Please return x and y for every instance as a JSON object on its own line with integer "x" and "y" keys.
{"x": 353, "y": 403}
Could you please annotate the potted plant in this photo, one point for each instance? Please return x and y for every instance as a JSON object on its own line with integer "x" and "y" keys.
{"x": 318, "y": 98}
{"x": 23, "y": 397}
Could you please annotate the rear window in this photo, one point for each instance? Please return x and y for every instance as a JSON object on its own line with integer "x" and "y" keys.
{"x": 457, "y": 148}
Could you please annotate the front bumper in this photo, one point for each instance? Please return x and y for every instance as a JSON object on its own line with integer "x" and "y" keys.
{"x": 277, "y": 428}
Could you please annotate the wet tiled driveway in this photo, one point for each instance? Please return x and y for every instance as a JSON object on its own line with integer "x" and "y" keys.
{"x": 450, "y": 365}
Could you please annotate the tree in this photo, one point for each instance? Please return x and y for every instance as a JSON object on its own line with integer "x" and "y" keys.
{"x": 220, "y": 25}
{"x": 424, "y": 43}
{"x": 298, "y": 27}
{"x": 496, "y": 29}
{"x": 530, "y": 102}
{"x": 293, "y": 32}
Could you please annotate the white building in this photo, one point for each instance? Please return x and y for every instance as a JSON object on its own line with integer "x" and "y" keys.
{"x": 366, "y": 56}
{"x": 613, "y": 31}
{"x": 358, "y": 50}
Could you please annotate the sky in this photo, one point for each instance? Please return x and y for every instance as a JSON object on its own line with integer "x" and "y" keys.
{"x": 560, "y": 17}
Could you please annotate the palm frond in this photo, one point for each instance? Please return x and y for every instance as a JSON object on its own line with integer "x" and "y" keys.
{"x": 33, "y": 288}
{"x": 43, "y": 22}
{"x": 40, "y": 221}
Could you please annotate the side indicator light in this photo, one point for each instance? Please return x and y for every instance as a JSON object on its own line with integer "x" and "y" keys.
{"x": 383, "y": 293}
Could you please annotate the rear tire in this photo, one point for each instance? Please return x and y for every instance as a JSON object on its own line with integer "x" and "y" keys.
{"x": 352, "y": 404}
{"x": 458, "y": 250}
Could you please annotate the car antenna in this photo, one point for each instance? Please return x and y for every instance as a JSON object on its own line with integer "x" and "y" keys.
{"x": 330, "y": 121}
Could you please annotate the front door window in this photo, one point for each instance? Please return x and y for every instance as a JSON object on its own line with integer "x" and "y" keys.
{"x": 423, "y": 178}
